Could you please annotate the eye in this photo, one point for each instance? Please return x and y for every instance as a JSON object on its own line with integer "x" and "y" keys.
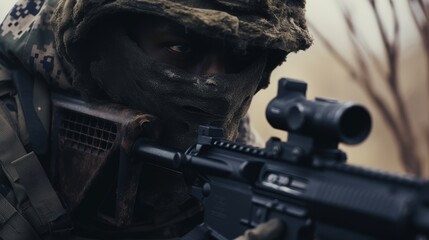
{"x": 180, "y": 49}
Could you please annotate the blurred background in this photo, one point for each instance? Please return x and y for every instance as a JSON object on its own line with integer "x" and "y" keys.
{"x": 374, "y": 52}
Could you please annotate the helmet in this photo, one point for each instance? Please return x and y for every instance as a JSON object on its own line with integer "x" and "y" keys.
{"x": 276, "y": 25}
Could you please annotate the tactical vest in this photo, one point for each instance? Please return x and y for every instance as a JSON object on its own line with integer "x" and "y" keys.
{"x": 29, "y": 206}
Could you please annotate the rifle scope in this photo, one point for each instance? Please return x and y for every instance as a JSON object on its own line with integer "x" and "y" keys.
{"x": 322, "y": 119}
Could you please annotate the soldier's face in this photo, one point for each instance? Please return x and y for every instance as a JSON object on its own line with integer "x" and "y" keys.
{"x": 182, "y": 78}
{"x": 171, "y": 43}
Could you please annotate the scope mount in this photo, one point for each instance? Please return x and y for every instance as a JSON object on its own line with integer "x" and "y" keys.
{"x": 315, "y": 127}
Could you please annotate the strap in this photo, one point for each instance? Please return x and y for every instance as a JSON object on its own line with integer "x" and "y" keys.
{"x": 24, "y": 84}
{"x": 4, "y": 74}
{"x": 6, "y": 84}
{"x": 10, "y": 149}
{"x": 14, "y": 225}
{"x": 39, "y": 190}
{"x": 10, "y": 105}
{"x": 28, "y": 178}
{"x": 9, "y": 116}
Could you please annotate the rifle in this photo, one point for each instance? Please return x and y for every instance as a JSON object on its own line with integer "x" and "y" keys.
{"x": 305, "y": 181}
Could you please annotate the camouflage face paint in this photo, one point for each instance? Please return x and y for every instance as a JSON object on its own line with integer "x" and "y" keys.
{"x": 182, "y": 101}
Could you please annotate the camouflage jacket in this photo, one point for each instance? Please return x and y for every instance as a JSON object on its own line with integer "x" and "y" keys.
{"x": 28, "y": 202}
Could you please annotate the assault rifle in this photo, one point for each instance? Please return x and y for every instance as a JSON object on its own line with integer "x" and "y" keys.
{"x": 304, "y": 181}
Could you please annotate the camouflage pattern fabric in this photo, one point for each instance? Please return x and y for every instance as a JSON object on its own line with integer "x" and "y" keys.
{"x": 27, "y": 42}
{"x": 273, "y": 24}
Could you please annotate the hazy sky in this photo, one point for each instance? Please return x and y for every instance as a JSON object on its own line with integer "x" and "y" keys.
{"x": 326, "y": 15}
{"x": 5, "y": 5}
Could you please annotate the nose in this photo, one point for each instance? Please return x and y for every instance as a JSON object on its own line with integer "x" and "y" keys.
{"x": 213, "y": 63}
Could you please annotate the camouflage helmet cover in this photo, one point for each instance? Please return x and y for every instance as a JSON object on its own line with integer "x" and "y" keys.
{"x": 272, "y": 24}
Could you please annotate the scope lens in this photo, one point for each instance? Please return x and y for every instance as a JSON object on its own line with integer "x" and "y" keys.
{"x": 355, "y": 124}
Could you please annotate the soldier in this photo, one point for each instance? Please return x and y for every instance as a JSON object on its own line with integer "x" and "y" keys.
{"x": 186, "y": 62}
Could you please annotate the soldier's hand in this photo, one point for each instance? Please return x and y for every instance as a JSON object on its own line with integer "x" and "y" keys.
{"x": 271, "y": 230}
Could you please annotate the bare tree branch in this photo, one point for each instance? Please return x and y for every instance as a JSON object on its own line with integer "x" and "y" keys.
{"x": 392, "y": 51}
{"x": 391, "y": 57}
{"x": 400, "y": 126}
{"x": 420, "y": 12}
{"x": 396, "y": 38}
{"x": 341, "y": 59}
{"x": 359, "y": 41}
